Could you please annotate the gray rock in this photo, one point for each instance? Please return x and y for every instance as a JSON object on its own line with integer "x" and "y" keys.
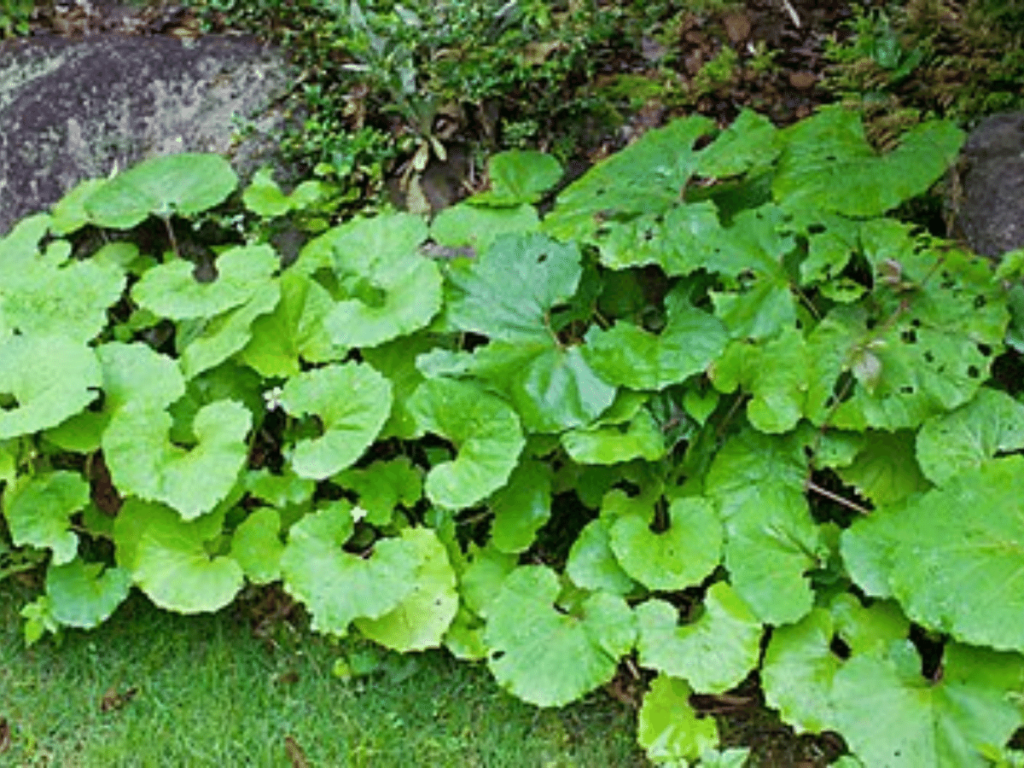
{"x": 990, "y": 211}
{"x": 77, "y": 109}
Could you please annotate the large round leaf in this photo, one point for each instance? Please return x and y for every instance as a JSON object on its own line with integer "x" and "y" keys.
{"x": 337, "y": 586}
{"x": 144, "y": 462}
{"x": 422, "y": 618}
{"x": 352, "y": 402}
{"x": 43, "y": 381}
{"x": 677, "y": 558}
{"x": 39, "y": 510}
{"x": 669, "y": 729}
{"x": 486, "y": 434}
{"x": 712, "y": 654}
{"x": 384, "y": 287}
{"x": 169, "y": 561}
{"x": 171, "y": 290}
{"x": 955, "y": 555}
{"x": 85, "y": 594}
{"x": 942, "y": 723}
{"x": 828, "y": 164}
{"x": 547, "y": 657}
{"x": 185, "y": 184}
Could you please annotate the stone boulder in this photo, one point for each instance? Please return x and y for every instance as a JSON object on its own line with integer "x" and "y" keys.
{"x": 76, "y": 109}
{"x": 990, "y": 208}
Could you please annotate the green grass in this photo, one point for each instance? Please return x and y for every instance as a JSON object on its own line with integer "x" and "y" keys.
{"x": 211, "y": 694}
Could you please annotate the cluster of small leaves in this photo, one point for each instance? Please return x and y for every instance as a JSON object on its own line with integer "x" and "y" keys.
{"x": 763, "y": 414}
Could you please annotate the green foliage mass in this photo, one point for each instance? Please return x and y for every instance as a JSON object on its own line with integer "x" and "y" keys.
{"x": 713, "y": 413}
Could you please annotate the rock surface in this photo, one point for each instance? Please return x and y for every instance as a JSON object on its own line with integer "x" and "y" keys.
{"x": 76, "y": 109}
{"x": 990, "y": 212}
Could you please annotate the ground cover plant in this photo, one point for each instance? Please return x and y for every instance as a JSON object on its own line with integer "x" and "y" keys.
{"x": 713, "y": 419}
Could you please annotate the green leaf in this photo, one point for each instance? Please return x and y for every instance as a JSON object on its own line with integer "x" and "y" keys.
{"x": 800, "y": 665}
{"x": 885, "y": 470}
{"x": 518, "y": 176}
{"x": 382, "y": 487}
{"x": 84, "y": 594}
{"x": 169, "y": 561}
{"x": 485, "y": 431}
{"x": 69, "y": 212}
{"x": 71, "y": 299}
{"x": 352, "y": 402}
{"x": 467, "y": 230}
{"x": 397, "y": 361}
{"x": 135, "y": 374}
{"x": 645, "y": 221}
{"x": 551, "y": 386}
{"x": 751, "y": 141}
{"x": 592, "y": 564}
{"x": 184, "y": 184}
{"x": 508, "y": 293}
{"x": 713, "y": 653}
{"x": 44, "y": 381}
{"x": 422, "y": 618}
{"x": 546, "y": 657}
{"x": 338, "y": 587}
{"x": 171, "y": 290}
{"x": 938, "y": 543}
{"x": 798, "y": 670}
{"x": 773, "y": 373}
{"x": 222, "y": 336}
{"x": 522, "y": 507}
{"x": 827, "y": 164}
{"x": 144, "y": 462}
{"x": 941, "y": 723}
{"x": 629, "y": 356}
{"x": 949, "y": 443}
{"x": 669, "y": 729}
{"x": 771, "y": 539}
{"x": 639, "y": 438}
{"x": 384, "y": 287}
{"x": 482, "y": 579}
{"x": 293, "y": 332}
{"x": 927, "y": 352}
{"x": 264, "y": 198}
{"x": 677, "y": 558}
{"x": 39, "y": 510}
{"x": 256, "y": 545}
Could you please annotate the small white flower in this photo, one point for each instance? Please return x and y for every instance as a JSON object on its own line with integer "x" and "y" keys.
{"x": 272, "y": 397}
{"x": 358, "y": 513}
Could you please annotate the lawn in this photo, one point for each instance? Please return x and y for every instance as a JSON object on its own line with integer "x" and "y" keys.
{"x": 150, "y": 689}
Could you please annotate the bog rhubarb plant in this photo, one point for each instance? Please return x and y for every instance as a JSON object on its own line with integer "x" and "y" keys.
{"x": 717, "y": 413}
